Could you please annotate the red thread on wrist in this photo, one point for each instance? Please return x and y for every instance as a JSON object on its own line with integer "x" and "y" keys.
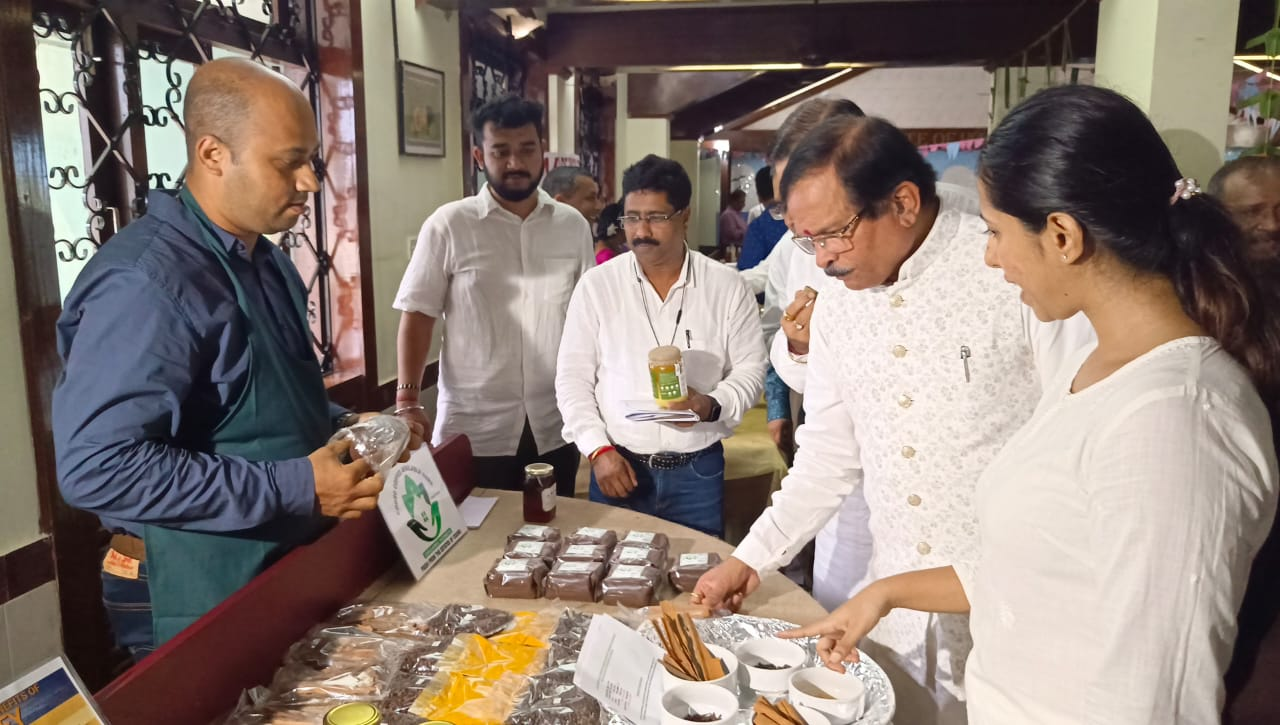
{"x": 599, "y": 452}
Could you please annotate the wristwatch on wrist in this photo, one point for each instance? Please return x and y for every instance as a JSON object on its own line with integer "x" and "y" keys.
{"x": 714, "y": 415}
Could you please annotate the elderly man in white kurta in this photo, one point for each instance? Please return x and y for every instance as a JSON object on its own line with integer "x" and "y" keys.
{"x": 920, "y": 367}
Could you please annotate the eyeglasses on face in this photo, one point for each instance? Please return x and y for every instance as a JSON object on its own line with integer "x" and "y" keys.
{"x": 653, "y": 220}
{"x": 811, "y": 245}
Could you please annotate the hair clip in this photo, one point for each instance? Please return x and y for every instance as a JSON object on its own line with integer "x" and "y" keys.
{"x": 1185, "y": 188}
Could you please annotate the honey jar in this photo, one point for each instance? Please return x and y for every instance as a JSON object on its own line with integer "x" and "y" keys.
{"x": 666, "y": 374}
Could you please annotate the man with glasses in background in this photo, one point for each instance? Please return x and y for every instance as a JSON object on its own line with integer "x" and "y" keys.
{"x": 498, "y": 267}
{"x": 662, "y": 294}
{"x": 920, "y": 366}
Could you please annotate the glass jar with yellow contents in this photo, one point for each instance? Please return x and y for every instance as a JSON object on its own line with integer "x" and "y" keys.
{"x": 666, "y": 374}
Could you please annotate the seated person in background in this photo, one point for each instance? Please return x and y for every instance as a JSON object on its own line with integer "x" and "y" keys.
{"x": 661, "y": 294}
{"x": 610, "y": 239}
{"x": 1249, "y": 188}
{"x": 1117, "y": 527}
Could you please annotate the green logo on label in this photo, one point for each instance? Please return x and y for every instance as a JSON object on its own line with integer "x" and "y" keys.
{"x": 424, "y": 519}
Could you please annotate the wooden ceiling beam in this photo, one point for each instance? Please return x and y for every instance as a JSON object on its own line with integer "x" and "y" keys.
{"x": 928, "y": 32}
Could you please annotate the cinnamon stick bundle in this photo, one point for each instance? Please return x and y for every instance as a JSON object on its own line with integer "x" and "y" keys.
{"x": 779, "y": 713}
{"x": 687, "y": 656}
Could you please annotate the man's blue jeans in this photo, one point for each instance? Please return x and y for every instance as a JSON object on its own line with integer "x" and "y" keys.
{"x": 128, "y": 603}
{"x": 692, "y": 495}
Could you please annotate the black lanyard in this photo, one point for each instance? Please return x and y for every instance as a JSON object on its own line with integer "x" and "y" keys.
{"x": 688, "y": 278}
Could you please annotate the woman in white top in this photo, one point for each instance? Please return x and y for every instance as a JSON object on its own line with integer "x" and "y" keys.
{"x": 1118, "y": 526}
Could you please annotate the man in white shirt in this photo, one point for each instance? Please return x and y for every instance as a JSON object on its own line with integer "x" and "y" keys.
{"x": 499, "y": 268}
{"x": 661, "y": 294}
{"x": 920, "y": 367}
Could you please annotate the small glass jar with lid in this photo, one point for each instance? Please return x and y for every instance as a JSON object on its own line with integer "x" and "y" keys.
{"x": 539, "y": 493}
{"x": 666, "y": 374}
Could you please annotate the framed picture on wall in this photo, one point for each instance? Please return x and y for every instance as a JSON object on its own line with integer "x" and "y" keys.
{"x": 421, "y": 101}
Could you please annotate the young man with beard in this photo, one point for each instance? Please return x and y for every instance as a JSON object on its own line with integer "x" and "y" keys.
{"x": 661, "y": 294}
{"x": 498, "y": 267}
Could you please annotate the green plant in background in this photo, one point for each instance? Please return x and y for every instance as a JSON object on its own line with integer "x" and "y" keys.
{"x": 1268, "y": 99}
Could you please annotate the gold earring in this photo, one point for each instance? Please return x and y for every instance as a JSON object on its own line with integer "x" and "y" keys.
{"x": 1064, "y": 257}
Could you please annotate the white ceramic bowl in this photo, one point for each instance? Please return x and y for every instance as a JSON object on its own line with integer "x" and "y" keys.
{"x": 845, "y": 693}
{"x": 774, "y": 651}
{"x": 728, "y": 682}
{"x": 812, "y": 717}
{"x": 700, "y": 698}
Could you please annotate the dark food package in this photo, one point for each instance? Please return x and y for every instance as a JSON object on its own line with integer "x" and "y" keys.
{"x": 689, "y": 569}
{"x": 639, "y": 556}
{"x": 585, "y": 552}
{"x": 545, "y": 550}
{"x": 468, "y": 619}
{"x": 630, "y": 586}
{"x": 650, "y": 539}
{"x": 404, "y": 691}
{"x": 588, "y": 535}
{"x": 533, "y": 532}
{"x": 516, "y": 579}
{"x": 423, "y": 660}
{"x": 552, "y": 698}
{"x": 575, "y": 581}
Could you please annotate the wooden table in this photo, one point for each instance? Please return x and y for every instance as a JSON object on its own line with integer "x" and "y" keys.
{"x": 459, "y": 577}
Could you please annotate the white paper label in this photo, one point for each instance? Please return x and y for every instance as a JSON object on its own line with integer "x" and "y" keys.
{"x": 579, "y": 550}
{"x": 633, "y": 553}
{"x": 510, "y": 565}
{"x": 588, "y": 533}
{"x": 528, "y": 547}
{"x": 619, "y": 668}
{"x": 576, "y": 567}
{"x": 539, "y": 532}
{"x": 639, "y": 537}
{"x": 549, "y": 499}
{"x": 694, "y": 559}
{"x": 624, "y": 571}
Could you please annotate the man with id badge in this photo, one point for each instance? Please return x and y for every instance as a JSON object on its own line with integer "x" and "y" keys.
{"x": 662, "y": 295}
{"x": 920, "y": 367}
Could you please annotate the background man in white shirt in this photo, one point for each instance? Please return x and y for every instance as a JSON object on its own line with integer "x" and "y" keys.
{"x": 498, "y": 267}
{"x": 572, "y": 185}
{"x": 921, "y": 365}
{"x": 660, "y": 294}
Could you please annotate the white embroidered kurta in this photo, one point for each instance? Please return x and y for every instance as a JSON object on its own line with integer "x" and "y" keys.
{"x": 911, "y": 390}
{"x": 1117, "y": 531}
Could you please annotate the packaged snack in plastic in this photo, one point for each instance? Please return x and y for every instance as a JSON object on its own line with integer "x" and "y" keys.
{"x": 629, "y": 585}
{"x": 689, "y": 569}
{"x": 651, "y": 539}
{"x": 534, "y": 532}
{"x": 544, "y": 550}
{"x": 468, "y": 619}
{"x": 516, "y": 578}
{"x": 248, "y": 714}
{"x": 589, "y": 535}
{"x": 575, "y": 581}
{"x": 585, "y": 552}
{"x": 639, "y": 556}
{"x": 296, "y": 684}
{"x": 389, "y": 619}
{"x": 380, "y": 440}
{"x": 324, "y": 648}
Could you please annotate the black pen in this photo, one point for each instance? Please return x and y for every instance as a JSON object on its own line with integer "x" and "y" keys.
{"x": 688, "y": 339}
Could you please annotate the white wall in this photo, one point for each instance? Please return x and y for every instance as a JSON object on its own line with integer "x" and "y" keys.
{"x": 635, "y": 138}
{"x": 404, "y": 190}
{"x": 944, "y": 97}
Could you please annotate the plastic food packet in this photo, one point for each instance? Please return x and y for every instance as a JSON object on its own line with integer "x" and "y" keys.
{"x": 651, "y": 539}
{"x": 325, "y": 648}
{"x": 296, "y": 684}
{"x": 380, "y": 440}
{"x": 575, "y": 581}
{"x": 516, "y": 578}
{"x": 630, "y": 586}
{"x": 532, "y": 532}
{"x": 249, "y": 714}
{"x": 585, "y": 552}
{"x": 457, "y": 619}
{"x": 389, "y": 619}
{"x": 481, "y": 678}
{"x": 589, "y": 535}
{"x": 689, "y": 569}
{"x": 552, "y": 698}
{"x": 544, "y": 550}
{"x": 639, "y": 555}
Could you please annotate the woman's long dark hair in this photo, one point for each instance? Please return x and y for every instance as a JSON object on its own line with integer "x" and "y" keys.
{"x": 1091, "y": 153}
